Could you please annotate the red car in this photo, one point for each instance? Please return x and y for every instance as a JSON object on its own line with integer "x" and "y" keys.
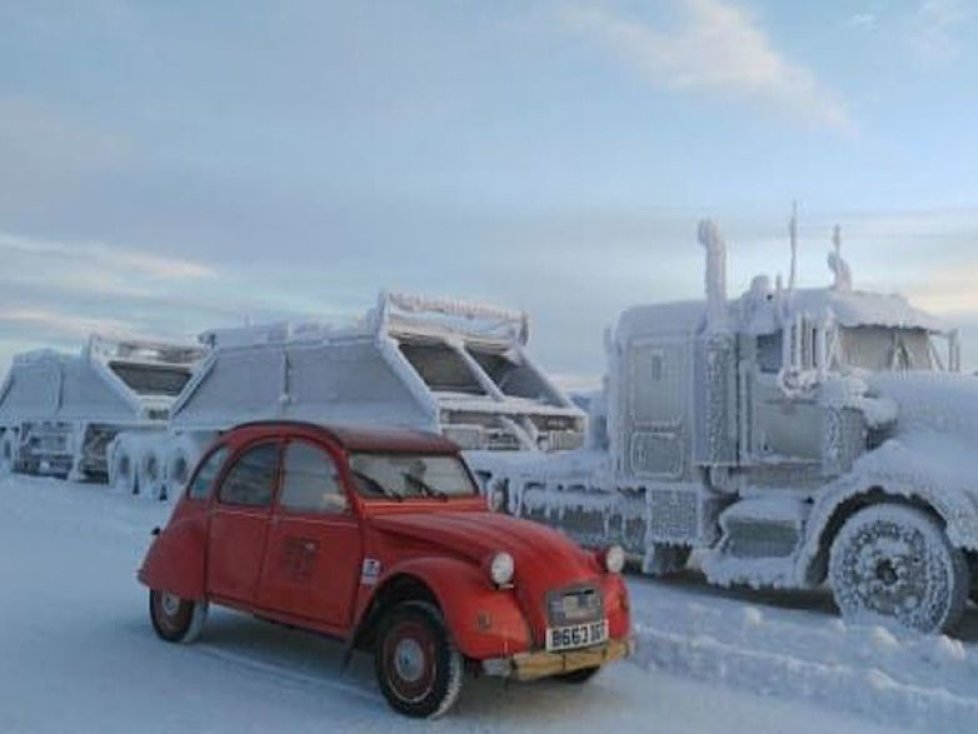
{"x": 381, "y": 538}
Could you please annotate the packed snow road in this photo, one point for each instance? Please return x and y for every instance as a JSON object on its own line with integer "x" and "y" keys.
{"x": 77, "y": 654}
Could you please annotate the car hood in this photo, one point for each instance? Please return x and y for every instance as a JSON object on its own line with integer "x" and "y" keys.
{"x": 540, "y": 553}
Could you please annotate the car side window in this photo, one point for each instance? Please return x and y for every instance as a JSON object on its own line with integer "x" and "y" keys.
{"x": 200, "y": 487}
{"x": 251, "y": 480}
{"x": 311, "y": 482}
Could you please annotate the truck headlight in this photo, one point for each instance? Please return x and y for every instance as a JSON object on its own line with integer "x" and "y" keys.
{"x": 501, "y": 568}
{"x": 614, "y": 559}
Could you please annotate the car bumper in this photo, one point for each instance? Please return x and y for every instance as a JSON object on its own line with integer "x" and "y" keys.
{"x": 540, "y": 664}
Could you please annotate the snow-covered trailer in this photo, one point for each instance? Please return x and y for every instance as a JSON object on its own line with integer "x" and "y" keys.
{"x": 790, "y": 436}
{"x": 59, "y": 412}
{"x": 457, "y": 368}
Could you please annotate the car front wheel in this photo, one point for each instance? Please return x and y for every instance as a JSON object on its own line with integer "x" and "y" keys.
{"x": 174, "y": 618}
{"x": 895, "y": 562}
{"x": 419, "y": 669}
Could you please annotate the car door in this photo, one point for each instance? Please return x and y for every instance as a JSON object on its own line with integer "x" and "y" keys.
{"x": 312, "y": 565}
{"x": 239, "y": 523}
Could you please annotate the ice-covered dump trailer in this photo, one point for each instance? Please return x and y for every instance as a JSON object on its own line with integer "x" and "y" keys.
{"x": 59, "y": 412}
{"x": 790, "y": 436}
{"x": 458, "y": 368}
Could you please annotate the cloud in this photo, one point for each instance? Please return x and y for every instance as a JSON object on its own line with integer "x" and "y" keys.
{"x": 105, "y": 259}
{"x": 949, "y": 290}
{"x": 933, "y": 34}
{"x": 63, "y": 324}
{"x": 718, "y": 48}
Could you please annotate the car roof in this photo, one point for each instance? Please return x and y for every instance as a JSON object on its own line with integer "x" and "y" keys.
{"x": 352, "y": 438}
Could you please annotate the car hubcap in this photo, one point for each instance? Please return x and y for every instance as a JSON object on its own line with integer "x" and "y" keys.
{"x": 409, "y": 660}
{"x": 170, "y": 604}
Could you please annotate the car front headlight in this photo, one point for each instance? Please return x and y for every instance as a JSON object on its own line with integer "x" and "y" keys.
{"x": 501, "y": 568}
{"x": 614, "y": 559}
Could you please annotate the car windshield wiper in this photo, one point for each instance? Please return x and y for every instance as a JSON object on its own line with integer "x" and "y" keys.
{"x": 376, "y": 487}
{"x": 424, "y": 487}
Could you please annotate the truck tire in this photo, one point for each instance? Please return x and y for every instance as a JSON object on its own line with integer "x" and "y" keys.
{"x": 122, "y": 466}
{"x": 6, "y": 453}
{"x": 418, "y": 667}
{"x": 182, "y": 454}
{"x": 152, "y": 481}
{"x": 662, "y": 560}
{"x": 176, "y": 619}
{"x": 894, "y": 563}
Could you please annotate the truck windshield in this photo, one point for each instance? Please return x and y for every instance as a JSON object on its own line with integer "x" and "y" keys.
{"x": 407, "y": 476}
{"x": 885, "y": 349}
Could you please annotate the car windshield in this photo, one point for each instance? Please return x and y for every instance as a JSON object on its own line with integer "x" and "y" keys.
{"x": 407, "y": 476}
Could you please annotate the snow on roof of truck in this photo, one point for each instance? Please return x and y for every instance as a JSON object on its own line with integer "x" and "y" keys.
{"x": 849, "y": 308}
{"x": 761, "y": 310}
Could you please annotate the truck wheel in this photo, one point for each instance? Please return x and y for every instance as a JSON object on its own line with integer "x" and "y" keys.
{"x": 176, "y": 619}
{"x": 583, "y": 675}
{"x": 662, "y": 560}
{"x": 419, "y": 669}
{"x": 896, "y": 563}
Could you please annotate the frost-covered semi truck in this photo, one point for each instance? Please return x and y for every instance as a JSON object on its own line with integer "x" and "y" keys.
{"x": 452, "y": 367}
{"x": 59, "y": 412}
{"x": 791, "y": 436}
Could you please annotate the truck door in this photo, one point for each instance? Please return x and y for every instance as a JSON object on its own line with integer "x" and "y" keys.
{"x": 239, "y": 523}
{"x": 312, "y": 565}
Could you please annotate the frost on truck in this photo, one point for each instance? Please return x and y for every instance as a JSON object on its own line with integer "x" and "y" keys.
{"x": 60, "y": 412}
{"x": 792, "y": 436}
{"x": 453, "y": 367}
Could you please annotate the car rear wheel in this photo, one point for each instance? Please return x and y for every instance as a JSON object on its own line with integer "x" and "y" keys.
{"x": 419, "y": 669}
{"x": 174, "y": 618}
{"x": 583, "y": 675}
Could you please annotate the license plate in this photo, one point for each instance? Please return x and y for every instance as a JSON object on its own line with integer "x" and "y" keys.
{"x": 577, "y": 635}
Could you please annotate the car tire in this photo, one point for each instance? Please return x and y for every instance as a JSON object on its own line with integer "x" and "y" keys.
{"x": 582, "y": 675}
{"x": 895, "y": 563}
{"x": 418, "y": 667}
{"x": 176, "y": 619}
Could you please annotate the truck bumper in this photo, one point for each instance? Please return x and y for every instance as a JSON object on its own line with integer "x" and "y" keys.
{"x": 540, "y": 664}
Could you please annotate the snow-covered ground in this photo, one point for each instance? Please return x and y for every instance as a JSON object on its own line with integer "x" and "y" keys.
{"x": 77, "y": 654}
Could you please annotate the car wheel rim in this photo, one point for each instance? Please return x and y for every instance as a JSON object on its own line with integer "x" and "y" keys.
{"x": 170, "y": 604}
{"x": 409, "y": 656}
{"x": 891, "y": 572}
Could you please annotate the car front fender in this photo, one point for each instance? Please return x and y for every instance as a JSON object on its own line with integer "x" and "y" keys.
{"x": 484, "y": 621}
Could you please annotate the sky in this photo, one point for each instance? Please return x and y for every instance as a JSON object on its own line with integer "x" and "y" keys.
{"x": 167, "y": 168}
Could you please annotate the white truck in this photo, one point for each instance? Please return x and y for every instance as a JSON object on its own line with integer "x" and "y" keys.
{"x": 453, "y": 367}
{"x": 792, "y": 437}
{"x": 59, "y": 412}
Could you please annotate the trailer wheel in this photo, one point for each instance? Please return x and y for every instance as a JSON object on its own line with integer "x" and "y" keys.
{"x": 419, "y": 669}
{"x": 122, "y": 467}
{"x": 176, "y": 619}
{"x": 894, "y": 563}
{"x": 6, "y": 454}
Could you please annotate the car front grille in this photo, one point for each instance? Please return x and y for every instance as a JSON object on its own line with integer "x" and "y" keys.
{"x": 575, "y": 605}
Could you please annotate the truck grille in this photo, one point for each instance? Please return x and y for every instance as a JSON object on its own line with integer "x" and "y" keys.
{"x": 571, "y": 606}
